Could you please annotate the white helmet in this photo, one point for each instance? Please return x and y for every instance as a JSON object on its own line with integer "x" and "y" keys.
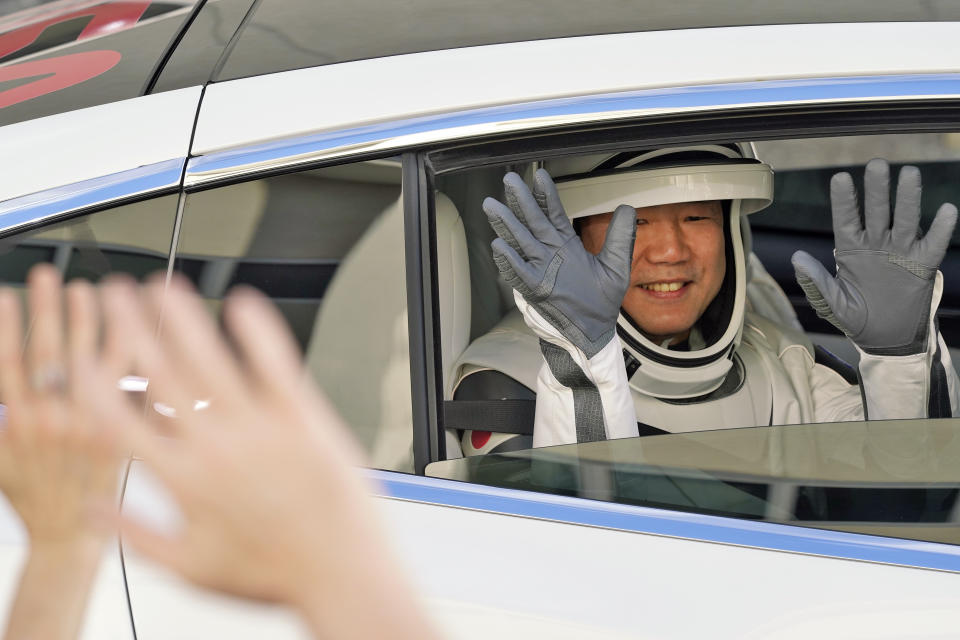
{"x": 729, "y": 173}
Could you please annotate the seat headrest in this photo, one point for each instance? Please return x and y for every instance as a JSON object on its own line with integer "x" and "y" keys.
{"x": 359, "y": 346}
{"x": 453, "y": 286}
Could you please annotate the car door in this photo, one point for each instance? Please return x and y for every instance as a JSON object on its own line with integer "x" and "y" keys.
{"x": 326, "y": 245}
{"x": 93, "y": 191}
{"x": 495, "y": 559}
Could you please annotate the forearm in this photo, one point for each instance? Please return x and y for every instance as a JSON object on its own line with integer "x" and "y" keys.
{"x": 918, "y": 386}
{"x": 922, "y": 385}
{"x": 579, "y": 399}
{"x": 368, "y": 598}
{"x": 364, "y": 614}
{"x": 54, "y": 588}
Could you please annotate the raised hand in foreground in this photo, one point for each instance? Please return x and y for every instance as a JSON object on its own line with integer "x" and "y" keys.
{"x": 273, "y": 509}
{"x": 55, "y": 464}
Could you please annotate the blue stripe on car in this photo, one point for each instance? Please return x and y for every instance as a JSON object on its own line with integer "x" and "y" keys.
{"x": 86, "y": 194}
{"x": 679, "y": 524}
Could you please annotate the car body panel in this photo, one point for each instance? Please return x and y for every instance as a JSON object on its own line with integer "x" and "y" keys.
{"x": 484, "y": 569}
{"x": 606, "y": 581}
{"x": 164, "y": 606}
{"x": 371, "y": 92}
{"x": 95, "y": 156}
{"x": 393, "y": 136}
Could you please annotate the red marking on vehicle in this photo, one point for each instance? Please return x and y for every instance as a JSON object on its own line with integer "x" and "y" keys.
{"x": 67, "y": 71}
{"x": 479, "y": 438}
{"x": 105, "y": 18}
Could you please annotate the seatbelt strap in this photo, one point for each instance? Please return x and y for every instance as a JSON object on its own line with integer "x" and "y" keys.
{"x": 499, "y": 416}
{"x": 504, "y": 416}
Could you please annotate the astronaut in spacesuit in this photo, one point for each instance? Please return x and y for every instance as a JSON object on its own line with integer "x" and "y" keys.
{"x": 637, "y": 321}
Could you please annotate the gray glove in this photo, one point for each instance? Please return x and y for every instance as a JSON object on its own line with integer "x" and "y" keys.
{"x": 880, "y": 297}
{"x": 539, "y": 255}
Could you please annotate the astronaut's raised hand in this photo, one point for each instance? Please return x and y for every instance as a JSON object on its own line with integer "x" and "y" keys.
{"x": 881, "y": 294}
{"x": 541, "y": 257}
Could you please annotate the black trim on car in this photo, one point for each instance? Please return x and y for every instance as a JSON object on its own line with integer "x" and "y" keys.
{"x": 428, "y": 214}
{"x": 234, "y": 39}
{"x": 201, "y": 45}
{"x": 173, "y": 46}
{"x": 421, "y": 314}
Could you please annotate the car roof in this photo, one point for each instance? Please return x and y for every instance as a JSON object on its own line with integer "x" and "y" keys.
{"x": 288, "y": 34}
{"x": 173, "y": 45}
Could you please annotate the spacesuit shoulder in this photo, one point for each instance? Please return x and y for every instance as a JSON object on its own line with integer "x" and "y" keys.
{"x": 774, "y": 336}
{"x": 509, "y": 347}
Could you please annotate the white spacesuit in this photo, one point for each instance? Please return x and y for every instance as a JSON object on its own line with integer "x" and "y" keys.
{"x": 597, "y": 374}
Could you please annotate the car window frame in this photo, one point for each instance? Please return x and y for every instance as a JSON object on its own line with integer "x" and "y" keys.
{"x": 92, "y": 202}
{"x": 441, "y": 143}
{"x": 854, "y": 105}
{"x": 130, "y": 164}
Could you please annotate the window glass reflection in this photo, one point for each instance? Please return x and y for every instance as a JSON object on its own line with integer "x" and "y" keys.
{"x": 327, "y": 247}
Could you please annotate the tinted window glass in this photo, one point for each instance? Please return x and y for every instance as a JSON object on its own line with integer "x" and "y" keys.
{"x": 804, "y": 168}
{"x": 292, "y": 34}
{"x": 800, "y": 215}
{"x": 193, "y": 61}
{"x": 133, "y": 239}
{"x": 501, "y": 359}
{"x": 327, "y": 247}
{"x": 816, "y": 475}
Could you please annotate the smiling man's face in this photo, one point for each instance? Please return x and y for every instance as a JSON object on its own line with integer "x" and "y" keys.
{"x": 678, "y": 265}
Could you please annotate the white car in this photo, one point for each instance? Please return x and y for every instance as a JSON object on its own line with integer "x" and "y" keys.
{"x": 335, "y": 156}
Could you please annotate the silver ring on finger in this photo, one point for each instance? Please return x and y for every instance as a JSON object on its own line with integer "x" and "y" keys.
{"x": 49, "y": 379}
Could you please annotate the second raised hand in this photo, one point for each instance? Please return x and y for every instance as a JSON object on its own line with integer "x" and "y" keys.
{"x": 541, "y": 257}
{"x": 879, "y": 263}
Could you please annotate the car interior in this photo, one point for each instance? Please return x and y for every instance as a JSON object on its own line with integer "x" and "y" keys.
{"x": 798, "y": 218}
{"x": 325, "y": 245}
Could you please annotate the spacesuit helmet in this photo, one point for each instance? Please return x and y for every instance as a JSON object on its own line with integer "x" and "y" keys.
{"x": 729, "y": 173}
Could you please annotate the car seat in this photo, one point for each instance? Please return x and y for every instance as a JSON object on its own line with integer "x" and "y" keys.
{"x": 359, "y": 350}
